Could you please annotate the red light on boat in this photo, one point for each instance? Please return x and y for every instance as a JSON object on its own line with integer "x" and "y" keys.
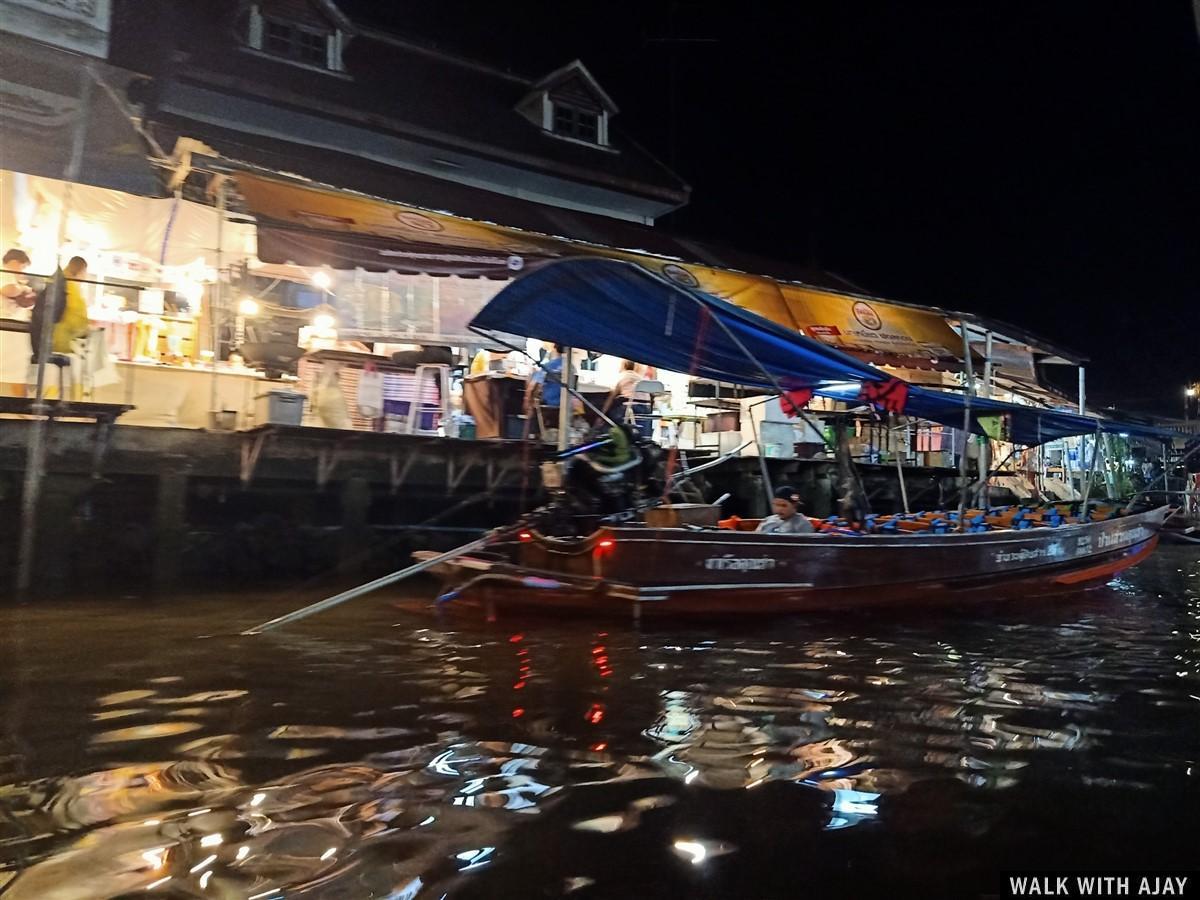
{"x": 525, "y": 536}
{"x": 606, "y": 544}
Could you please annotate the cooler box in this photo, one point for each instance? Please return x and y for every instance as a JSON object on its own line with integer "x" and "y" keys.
{"x": 677, "y": 515}
{"x": 778, "y": 439}
{"x": 279, "y": 408}
{"x": 514, "y": 427}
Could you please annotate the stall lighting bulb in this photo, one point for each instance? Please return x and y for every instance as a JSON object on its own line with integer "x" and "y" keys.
{"x": 322, "y": 280}
{"x": 248, "y": 307}
{"x": 324, "y": 322}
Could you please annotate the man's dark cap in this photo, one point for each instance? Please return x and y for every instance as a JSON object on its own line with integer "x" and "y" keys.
{"x": 788, "y": 493}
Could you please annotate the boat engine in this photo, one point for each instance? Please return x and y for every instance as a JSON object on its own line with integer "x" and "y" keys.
{"x": 611, "y": 478}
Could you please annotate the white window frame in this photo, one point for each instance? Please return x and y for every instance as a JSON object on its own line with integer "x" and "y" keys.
{"x": 256, "y": 41}
{"x": 548, "y": 105}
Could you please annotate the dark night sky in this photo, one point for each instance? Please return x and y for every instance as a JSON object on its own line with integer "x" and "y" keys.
{"x": 1039, "y": 162}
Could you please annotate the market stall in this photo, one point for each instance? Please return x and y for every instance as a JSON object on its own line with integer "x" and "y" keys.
{"x": 150, "y": 290}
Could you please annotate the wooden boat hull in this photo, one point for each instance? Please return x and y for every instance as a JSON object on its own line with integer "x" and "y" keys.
{"x": 711, "y": 572}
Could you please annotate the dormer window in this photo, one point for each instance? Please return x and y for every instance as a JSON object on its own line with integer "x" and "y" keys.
{"x": 294, "y": 42}
{"x": 305, "y": 43}
{"x": 580, "y": 124}
{"x": 570, "y": 105}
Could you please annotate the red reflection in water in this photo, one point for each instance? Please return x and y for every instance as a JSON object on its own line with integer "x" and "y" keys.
{"x": 518, "y": 712}
{"x": 595, "y": 715}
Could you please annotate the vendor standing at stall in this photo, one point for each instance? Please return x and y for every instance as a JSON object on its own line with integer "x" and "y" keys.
{"x": 74, "y": 322}
{"x": 545, "y": 382}
{"x": 17, "y": 296}
{"x": 625, "y": 398}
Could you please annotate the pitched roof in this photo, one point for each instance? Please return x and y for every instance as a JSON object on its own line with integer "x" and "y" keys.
{"x": 396, "y": 85}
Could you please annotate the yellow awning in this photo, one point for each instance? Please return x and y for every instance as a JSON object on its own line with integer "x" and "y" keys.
{"x": 840, "y": 320}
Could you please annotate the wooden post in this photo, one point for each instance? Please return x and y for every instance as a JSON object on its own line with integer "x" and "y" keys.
{"x": 35, "y": 464}
{"x": 170, "y": 524}
{"x": 847, "y": 483}
{"x": 356, "y": 534}
{"x": 215, "y": 305}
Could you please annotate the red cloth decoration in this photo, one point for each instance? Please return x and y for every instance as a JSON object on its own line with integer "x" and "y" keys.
{"x": 793, "y": 401}
{"x": 890, "y": 396}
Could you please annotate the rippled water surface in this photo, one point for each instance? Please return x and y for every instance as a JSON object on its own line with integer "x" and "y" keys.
{"x": 373, "y": 752}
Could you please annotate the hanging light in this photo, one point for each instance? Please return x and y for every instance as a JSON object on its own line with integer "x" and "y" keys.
{"x": 248, "y": 306}
{"x": 193, "y": 291}
{"x": 322, "y": 279}
{"x": 324, "y": 319}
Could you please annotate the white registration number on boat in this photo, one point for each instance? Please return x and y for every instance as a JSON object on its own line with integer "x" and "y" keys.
{"x": 734, "y": 564}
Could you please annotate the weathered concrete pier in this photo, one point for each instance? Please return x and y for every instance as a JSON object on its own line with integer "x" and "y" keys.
{"x": 129, "y": 509}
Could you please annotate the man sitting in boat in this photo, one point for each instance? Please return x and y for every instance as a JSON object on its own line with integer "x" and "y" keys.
{"x": 786, "y": 518}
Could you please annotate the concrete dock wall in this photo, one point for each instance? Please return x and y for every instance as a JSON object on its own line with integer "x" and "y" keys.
{"x": 176, "y": 507}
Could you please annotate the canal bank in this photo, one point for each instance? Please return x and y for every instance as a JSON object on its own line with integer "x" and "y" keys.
{"x": 127, "y": 509}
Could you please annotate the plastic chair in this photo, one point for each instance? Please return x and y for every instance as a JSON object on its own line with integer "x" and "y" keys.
{"x": 654, "y": 389}
{"x": 442, "y": 374}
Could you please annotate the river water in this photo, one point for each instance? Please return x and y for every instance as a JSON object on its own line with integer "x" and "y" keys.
{"x": 374, "y": 752}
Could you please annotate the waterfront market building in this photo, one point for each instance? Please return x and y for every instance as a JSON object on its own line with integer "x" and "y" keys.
{"x": 270, "y": 225}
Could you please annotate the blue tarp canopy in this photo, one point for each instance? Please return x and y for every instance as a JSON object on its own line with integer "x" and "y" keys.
{"x": 619, "y": 308}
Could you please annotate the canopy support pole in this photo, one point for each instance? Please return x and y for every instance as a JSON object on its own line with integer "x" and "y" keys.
{"x": 985, "y": 454}
{"x": 768, "y": 488}
{"x": 564, "y": 399}
{"x": 1110, "y": 477}
{"x": 962, "y": 460}
{"x": 1091, "y": 473}
{"x": 900, "y": 464}
{"x": 774, "y": 382}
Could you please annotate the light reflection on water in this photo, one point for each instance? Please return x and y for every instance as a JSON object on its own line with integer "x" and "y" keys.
{"x": 374, "y": 753}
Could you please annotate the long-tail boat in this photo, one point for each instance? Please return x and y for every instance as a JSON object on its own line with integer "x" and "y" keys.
{"x": 665, "y": 558}
{"x": 623, "y": 569}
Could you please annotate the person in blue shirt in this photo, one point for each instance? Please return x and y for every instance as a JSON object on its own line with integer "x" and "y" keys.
{"x": 544, "y": 388}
